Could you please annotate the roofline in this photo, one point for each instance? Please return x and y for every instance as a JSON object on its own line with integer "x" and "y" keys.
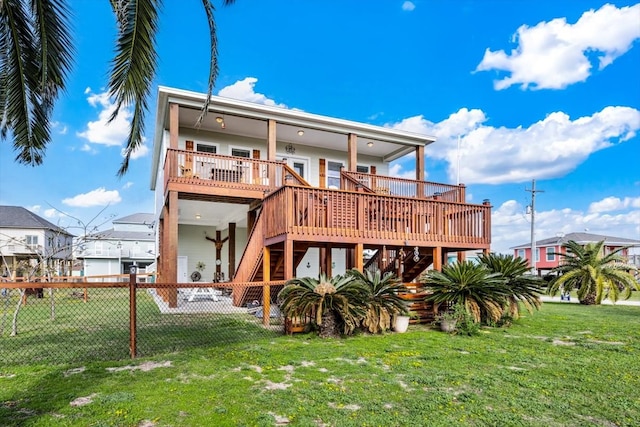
{"x": 292, "y": 117}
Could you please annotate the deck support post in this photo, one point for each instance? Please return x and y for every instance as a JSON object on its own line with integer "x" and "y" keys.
{"x": 266, "y": 289}
{"x": 352, "y": 152}
{"x": 288, "y": 259}
{"x": 232, "y": 250}
{"x": 171, "y": 235}
{"x": 358, "y": 254}
{"x": 462, "y": 255}
{"x": 437, "y": 258}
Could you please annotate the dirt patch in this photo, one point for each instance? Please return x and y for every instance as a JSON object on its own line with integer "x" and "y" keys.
{"x": 607, "y": 342}
{"x": 288, "y": 368}
{"x": 82, "y": 401}
{"x": 352, "y": 407}
{"x": 280, "y": 419}
{"x": 560, "y": 342}
{"x": 276, "y": 386}
{"x": 258, "y": 369}
{"x": 145, "y": 367}
{"x": 307, "y": 364}
{"x": 74, "y": 371}
{"x": 146, "y": 423}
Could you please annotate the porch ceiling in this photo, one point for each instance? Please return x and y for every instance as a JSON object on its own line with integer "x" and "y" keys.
{"x": 214, "y": 214}
{"x": 288, "y": 133}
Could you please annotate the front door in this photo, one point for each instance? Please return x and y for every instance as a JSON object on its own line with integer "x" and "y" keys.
{"x": 182, "y": 269}
{"x": 299, "y": 164}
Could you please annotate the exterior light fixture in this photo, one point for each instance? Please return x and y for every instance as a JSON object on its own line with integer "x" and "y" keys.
{"x": 370, "y": 144}
{"x": 290, "y": 149}
{"x": 308, "y": 264}
{"x": 300, "y": 132}
{"x": 198, "y": 216}
{"x": 219, "y": 119}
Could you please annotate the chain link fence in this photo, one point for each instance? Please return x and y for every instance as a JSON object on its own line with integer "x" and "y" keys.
{"x": 75, "y": 322}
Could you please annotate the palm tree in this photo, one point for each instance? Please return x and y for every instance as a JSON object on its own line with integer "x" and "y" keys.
{"x": 36, "y": 53}
{"x": 595, "y": 275}
{"x": 521, "y": 286}
{"x": 383, "y": 300}
{"x": 481, "y": 292}
{"x": 338, "y": 303}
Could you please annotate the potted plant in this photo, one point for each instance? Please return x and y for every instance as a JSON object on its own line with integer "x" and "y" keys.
{"x": 400, "y": 323}
{"x": 449, "y": 319}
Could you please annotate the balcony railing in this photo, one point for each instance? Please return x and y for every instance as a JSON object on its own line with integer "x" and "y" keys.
{"x": 339, "y": 215}
{"x": 215, "y": 170}
{"x": 404, "y": 187}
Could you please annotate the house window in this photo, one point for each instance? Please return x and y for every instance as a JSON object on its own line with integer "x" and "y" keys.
{"x": 31, "y": 240}
{"x": 50, "y": 242}
{"x": 98, "y": 248}
{"x": 333, "y": 174}
{"x": 206, "y": 148}
{"x": 551, "y": 254}
{"x": 362, "y": 169}
{"x": 241, "y": 152}
{"x": 537, "y": 254}
{"x": 521, "y": 253}
{"x": 298, "y": 167}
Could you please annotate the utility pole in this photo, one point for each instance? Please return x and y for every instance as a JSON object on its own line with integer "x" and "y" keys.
{"x": 533, "y": 224}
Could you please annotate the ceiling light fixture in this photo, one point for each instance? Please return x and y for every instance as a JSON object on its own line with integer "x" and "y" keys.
{"x": 197, "y": 216}
{"x": 370, "y": 144}
{"x": 219, "y": 119}
{"x": 300, "y": 132}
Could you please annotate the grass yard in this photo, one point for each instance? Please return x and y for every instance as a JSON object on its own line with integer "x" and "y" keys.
{"x": 565, "y": 365}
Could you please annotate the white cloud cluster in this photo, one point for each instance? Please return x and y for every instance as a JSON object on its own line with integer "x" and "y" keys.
{"x": 101, "y": 131}
{"x": 610, "y": 204}
{"x": 549, "y": 148}
{"x": 510, "y": 226}
{"x": 244, "y": 90}
{"x": 408, "y": 6}
{"x": 98, "y": 197}
{"x": 139, "y": 152}
{"x": 555, "y": 54}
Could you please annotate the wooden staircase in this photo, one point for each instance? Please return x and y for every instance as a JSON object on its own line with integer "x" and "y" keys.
{"x": 411, "y": 268}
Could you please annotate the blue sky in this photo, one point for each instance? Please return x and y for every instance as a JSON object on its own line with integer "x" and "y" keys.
{"x": 544, "y": 90}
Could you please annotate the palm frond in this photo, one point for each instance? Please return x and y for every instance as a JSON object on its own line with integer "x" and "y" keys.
{"x": 209, "y": 10}
{"x": 134, "y": 65}
{"x": 35, "y": 56}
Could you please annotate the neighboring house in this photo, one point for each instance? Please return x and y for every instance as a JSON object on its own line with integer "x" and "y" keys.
{"x": 131, "y": 240}
{"x": 261, "y": 193}
{"x": 27, "y": 239}
{"x": 546, "y": 249}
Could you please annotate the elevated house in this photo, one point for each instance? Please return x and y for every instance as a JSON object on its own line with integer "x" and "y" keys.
{"x": 27, "y": 240}
{"x": 130, "y": 241}
{"x": 546, "y": 250}
{"x": 259, "y": 193}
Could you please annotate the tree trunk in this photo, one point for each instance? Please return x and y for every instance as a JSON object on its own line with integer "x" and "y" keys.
{"x": 329, "y": 327}
{"x": 589, "y": 299}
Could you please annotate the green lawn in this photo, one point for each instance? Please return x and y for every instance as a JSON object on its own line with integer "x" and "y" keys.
{"x": 566, "y": 365}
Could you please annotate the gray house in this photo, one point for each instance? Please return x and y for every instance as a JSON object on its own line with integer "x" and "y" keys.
{"x": 110, "y": 252}
{"x": 29, "y": 244}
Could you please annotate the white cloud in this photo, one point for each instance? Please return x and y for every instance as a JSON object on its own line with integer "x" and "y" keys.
{"x": 510, "y": 225}
{"x": 139, "y": 152}
{"x": 243, "y": 90}
{"x": 396, "y": 170}
{"x": 408, "y": 6}
{"x": 34, "y": 208}
{"x": 53, "y": 213}
{"x": 127, "y": 185}
{"x": 101, "y": 131}
{"x": 97, "y": 197}
{"x": 549, "y": 148}
{"x": 609, "y": 204}
{"x": 60, "y": 128}
{"x": 555, "y": 54}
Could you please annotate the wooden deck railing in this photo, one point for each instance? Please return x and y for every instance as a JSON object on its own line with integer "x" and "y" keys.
{"x": 216, "y": 169}
{"x": 253, "y": 252}
{"x": 404, "y": 187}
{"x": 340, "y": 215}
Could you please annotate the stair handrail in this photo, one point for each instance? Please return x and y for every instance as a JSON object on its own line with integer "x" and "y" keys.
{"x": 251, "y": 244}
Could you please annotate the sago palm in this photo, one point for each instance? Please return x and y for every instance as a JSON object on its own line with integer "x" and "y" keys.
{"x": 338, "y": 303}
{"x": 521, "y": 286}
{"x": 36, "y": 54}
{"x": 383, "y": 299}
{"x": 593, "y": 274}
{"x": 481, "y": 292}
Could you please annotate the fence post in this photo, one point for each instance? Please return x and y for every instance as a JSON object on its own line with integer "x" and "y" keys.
{"x": 132, "y": 310}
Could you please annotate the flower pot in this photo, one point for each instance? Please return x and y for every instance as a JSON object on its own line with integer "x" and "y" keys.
{"x": 448, "y": 325}
{"x": 400, "y": 323}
